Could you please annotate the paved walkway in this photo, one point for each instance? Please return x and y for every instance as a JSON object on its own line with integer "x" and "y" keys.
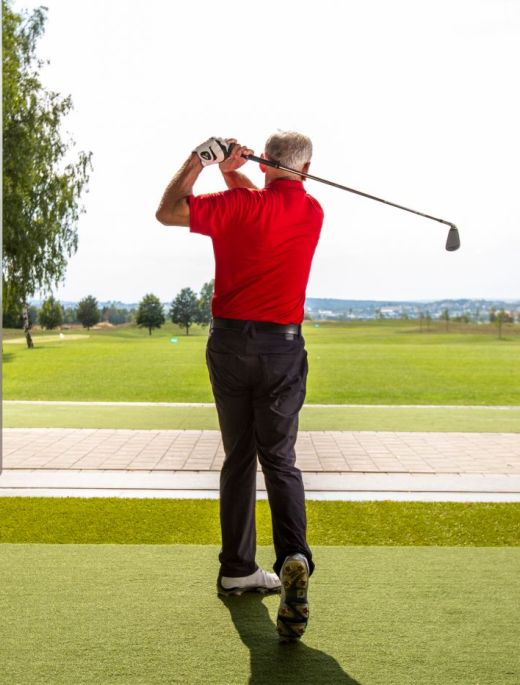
{"x": 335, "y": 465}
{"x": 320, "y": 451}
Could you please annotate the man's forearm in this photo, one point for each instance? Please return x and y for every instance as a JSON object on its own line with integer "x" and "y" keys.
{"x": 234, "y": 179}
{"x": 173, "y": 208}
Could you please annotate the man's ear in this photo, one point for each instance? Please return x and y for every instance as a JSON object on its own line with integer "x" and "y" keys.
{"x": 305, "y": 168}
{"x": 263, "y": 167}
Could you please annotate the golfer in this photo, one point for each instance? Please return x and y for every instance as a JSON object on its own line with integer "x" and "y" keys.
{"x": 264, "y": 241}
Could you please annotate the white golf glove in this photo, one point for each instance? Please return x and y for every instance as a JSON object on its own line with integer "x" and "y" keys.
{"x": 213, "y": 151}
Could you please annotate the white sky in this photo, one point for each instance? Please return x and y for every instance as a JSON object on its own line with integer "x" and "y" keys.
{"x": 416, "y": 102}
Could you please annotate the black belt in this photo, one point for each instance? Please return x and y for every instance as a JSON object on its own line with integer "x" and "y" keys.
{"x": 267, "y": 326}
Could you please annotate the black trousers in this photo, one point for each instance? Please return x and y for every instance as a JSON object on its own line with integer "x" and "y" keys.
{"x": 259, "y": 381}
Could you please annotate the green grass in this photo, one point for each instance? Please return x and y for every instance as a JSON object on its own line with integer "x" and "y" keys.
{"x": 486, "y": 420}
{"x": 383, "y": 363}
{"x": 142, "y": 614}
{"x": 157, "y": 521}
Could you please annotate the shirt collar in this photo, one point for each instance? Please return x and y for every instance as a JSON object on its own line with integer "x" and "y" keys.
{"x": 286, "y": 183}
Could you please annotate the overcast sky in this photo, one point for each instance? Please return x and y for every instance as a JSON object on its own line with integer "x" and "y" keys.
{"x": 416, "y": 102}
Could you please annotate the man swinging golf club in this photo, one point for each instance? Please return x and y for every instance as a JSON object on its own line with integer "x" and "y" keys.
{"x": 264, "y": 241}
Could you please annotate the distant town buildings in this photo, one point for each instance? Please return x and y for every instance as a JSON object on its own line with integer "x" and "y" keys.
{"x": 463, "y": 309}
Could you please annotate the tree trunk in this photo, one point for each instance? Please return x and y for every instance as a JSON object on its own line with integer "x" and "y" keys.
{"x": 149, "y": 330}
{"x": 187, "y": 330}
{"x": 27, "y": 326}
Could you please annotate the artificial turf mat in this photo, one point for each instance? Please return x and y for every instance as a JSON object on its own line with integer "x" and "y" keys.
{"x": 168, "y": 521}
{"x": 149, "y": 614}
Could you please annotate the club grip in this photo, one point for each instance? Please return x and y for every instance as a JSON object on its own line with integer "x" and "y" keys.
{"x": 260, "y": 160}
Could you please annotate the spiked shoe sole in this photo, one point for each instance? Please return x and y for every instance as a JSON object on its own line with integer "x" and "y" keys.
{"x": 293, "y": 612}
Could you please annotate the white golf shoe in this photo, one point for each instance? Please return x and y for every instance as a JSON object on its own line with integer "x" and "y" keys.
{"x": 259, "y": 581}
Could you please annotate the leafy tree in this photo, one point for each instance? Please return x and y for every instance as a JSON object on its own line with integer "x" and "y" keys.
{"x": 116, "y": 316}
{"x": 445, "y": 316}
{"x": 40, "y": 192}
{"x": 12, "y": 318}
{"x": 204, "y": 303}
{"x": 51, "y": 314}
{"x": 70, "y": 315}
{"x": 150, "y": 313}
{"x": 33, "y": 314}
{"x": 501, "y": 318}
{"x": 184, "y": 309}
{"x": 88, "y": 312}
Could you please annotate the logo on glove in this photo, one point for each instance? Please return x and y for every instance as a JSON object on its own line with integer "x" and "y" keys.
{"x": 207, "y": 154}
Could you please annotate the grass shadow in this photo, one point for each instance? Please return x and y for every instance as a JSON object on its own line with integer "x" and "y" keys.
{"x": 272, "y": 662}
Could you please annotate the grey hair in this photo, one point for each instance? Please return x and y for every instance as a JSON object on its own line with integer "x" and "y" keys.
{"x": 290, "y": 148}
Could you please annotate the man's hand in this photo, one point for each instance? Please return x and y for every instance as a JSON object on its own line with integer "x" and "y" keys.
{"x": 213, "y": 151}
{"x": 235, "y": 159}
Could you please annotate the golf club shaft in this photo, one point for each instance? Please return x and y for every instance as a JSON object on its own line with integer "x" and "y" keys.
{"x": 277, "y": 165}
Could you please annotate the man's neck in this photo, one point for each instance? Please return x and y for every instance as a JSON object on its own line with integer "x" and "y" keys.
{"x": 279, "y": 175}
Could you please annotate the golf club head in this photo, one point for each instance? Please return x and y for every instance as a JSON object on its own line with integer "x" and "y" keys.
{"x": 453, "y": 239}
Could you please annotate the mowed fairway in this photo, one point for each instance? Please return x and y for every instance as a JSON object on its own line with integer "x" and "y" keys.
{"x": 150, "y": 614}
{"x": 350, "y": 363}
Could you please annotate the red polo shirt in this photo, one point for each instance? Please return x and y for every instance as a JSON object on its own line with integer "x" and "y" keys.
{"x": 264, "y": 241}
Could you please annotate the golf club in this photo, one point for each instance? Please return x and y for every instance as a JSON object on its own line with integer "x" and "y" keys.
{"x": 452, "y": 241}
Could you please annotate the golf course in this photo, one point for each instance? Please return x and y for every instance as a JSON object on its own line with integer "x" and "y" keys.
{"x": 118, "y": 590}
{"x": 365, "y": 364}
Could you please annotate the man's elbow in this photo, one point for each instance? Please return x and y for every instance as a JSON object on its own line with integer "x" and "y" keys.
{"x": 163, "y": 217}
{"x": 178, "y": 215}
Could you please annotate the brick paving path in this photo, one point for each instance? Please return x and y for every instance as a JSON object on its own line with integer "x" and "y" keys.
{"x": 321, "y": 451}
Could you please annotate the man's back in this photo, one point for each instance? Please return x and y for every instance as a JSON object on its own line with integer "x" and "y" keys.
{"x": 264, "y": 242}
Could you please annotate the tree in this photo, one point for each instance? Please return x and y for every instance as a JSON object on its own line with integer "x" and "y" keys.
{"x": 501, "y": 318}
{"x": 70, "y": 315}
{"x": 33, "y": 314}
{"x": 40, "y": 192}
{"x": 115, "y": 316}
{"x": 51, "y": 314}
{"x": 88, "y": 312}
{"x": 184, "y": 309}
{"x": 445, "y": 316}
{"x": 150, "y": 313}
{"x": 204, "y": 303}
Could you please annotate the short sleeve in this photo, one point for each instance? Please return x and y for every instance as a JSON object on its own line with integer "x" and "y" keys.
{"x": 212, "y": 213}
